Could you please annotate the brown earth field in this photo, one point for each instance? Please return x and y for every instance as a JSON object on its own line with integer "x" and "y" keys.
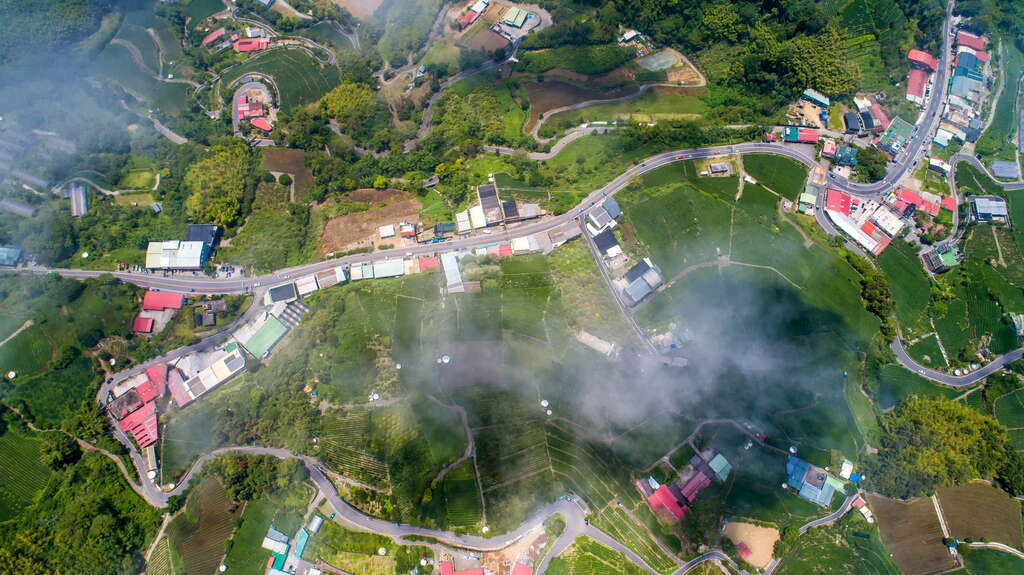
{"x": 551, "y": 94}
{"x": 912, "y": 534}
{"x": 290, "y": 161}
{"x": 359, "y": 230}
{"x": 981, "y": 511}
{"x": 361, "y": 9}
{"x": 760, "y": 540}
{"x": 485, "y": 39}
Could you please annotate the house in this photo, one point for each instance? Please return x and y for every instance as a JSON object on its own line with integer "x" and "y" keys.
{"x": 828, "y": 149}
{"x": 275, "y": 541}
{"x": 388, "y": 269}
{"x": 283, "y": 293}
{"x": 209, "y": 234}
{"x": 176, "y": 255}
{"x": 972, "y": 41}
{"x": 607, "y": 244}
{"x": 846, "y": 156}
{"x": 212, "y": 37}
{"x": 467, "y": 19}
{"x": 668, "y": 502}
{"x": 811, "y": 482}
{"x": 721, "y": 466}
{"x": 9, "y": 256}
{"x": 246, "y": 109}
{"x": 262, "y": 124}
{"x": 251, "y": 44}
{"x": 641, "y": 280}
{"x": 815, "y": 97}
{"x": 159, "y": 301}
{"x": 896, "y": 136}
{"x": 881, "y": 120}
{"x": 229, "y": 364}
{"x": 837, "y": 201}
{"x": 796, "y": 134}
{"x": 79, "y": 200}
{"x": 867, "y": 121}
{"x": 142, "y": 424}
{"x": 142, "y": 324}
{"x": 17, "y": 208}
{"x": 852, "y": 122}
{"x": 487, "y": 194}
{"x": 922, "y": 60}
{"x": 916, "y": 80}
{"x": 989, "y": 208}
{"x": 1005, "y": 170}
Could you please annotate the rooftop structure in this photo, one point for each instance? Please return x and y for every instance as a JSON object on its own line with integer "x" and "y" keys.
{"x": 815, "y": 97}
{"x": 668, "y": 502}
{"x": 175, "y": 255}
{"x": 262, "y": 124}
{"x": 246, "y": 109}
{"x": 828, "y": 149}
{"x": 261, "y": 339}
{"x": 142, "y": 324}
{"x": 881, "y": 120}
{"x": 206, "y": 233}
{"x": 965, "y": 38}
{"x": 221, "y": 370}
{"x": 641, "y": 280}
{"x": 480, "y": 6}
{"x": 212, "y": 36}
{"x": 796, "y": 134}
{"x": 79, "y": 200}
{"x": 452, "y": 274}
{"x": 896, "y": 136}
{"x": 515, "y": 17}
{"x": 306, "y": 285}
{"x": 810, "y": 481}
{"x": 9, "y": 255}
{"x": 721, "y": 466}
{"x": 282, "y": 293}
{"x": 914, "y": 198}
{"x": 159, "y": 301}
{"x": 923, "y": 59}
{"x": 916, "y": 80}
{"x": 388, "y": 269}
{"x": 467, "y": 18}
{"x": 988, "y": 208}
{"x": 607, "y": 244}
{"x": 448, "y": 568}
{"x": 846, "y": 156}
{"x": 275, "y": 541}
{"x": 489, "y": 203}
{"x": 251, "y": 44}
{"x": 520, "y": 569}
{"x": 1005, "y": 170}
{"x": 837, "y": 201}
{"x": 142, "y": 424}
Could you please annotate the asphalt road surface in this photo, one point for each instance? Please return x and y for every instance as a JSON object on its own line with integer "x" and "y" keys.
{"x": 953, "y": 380}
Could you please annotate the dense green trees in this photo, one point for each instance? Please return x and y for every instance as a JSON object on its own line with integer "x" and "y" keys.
{"x": 247, "y": 477}
{"x": 221, "y": 184}
{"x": 871, "y": 164}
{"x": 31, "y": 27}
{"x": 927, "y": 443}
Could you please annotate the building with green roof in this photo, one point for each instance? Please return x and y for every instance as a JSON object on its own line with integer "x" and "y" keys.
{"x": 9, "y": 255}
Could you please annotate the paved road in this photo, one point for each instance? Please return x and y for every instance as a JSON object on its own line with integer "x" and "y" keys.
{"x": 1008, "y": 186}
{"x": 831, "y": 517}
{"x": 953, "y": 380}
{"x": 1000, "y": 546}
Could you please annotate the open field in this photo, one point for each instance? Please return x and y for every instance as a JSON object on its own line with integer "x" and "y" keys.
{"x": 991, "y": 562}
{"x": 909, "y": 285}
{"x": 911, "y": 533}
{"x": 284, "y": 509}
{"x": 979, "y": 511}
{"x": 926, "y": 351}
{"x": 896, "y": 383}
{"x": 358, "y": 552}
{"x": 358, "y": 228}
{"x": 588, "y": 557}
{"x": 361, "y": 9}
{"x": 759, "y": 540}
{"x": 199, "y": 533}
{"x": 781, "y": 175}
{"x": 299, "y": 77}
{"x": 290, "y": 161}
{"x": 22, "y": 474}
{"x": 851, "y": 546}
{"x": 661, "y": 103}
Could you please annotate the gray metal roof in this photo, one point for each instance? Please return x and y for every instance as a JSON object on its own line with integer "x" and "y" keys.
{"x": 1003, "y": 169}
{"x": 989, "y": 205}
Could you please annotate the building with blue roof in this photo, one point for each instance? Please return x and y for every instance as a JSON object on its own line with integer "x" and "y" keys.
{"x": 612, "y": 207}
{"x": 300, "y": 542}
{"x": 810, "y": 481}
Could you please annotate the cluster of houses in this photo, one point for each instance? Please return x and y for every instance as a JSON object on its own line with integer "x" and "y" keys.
{"x": 961, "y": 115}
{"x": 490, "y": 210}
{"x": 873, "y": 224}
{"x": 643, "y": 277}
{"x": 192, "y": 253}
{"x": 283, "y": 557}
{"x": 254, "y": 40}
{"x": 513, "y": 16}
{"x": 671, "y": 501}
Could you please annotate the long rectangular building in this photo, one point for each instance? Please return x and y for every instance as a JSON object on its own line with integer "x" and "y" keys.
{"x": 176, "y": 255}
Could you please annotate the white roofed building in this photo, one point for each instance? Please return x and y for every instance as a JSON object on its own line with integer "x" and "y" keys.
{"x": 176, "y": 255}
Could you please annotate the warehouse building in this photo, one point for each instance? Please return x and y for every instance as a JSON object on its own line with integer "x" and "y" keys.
{"x": 176, "y": 255}
{"x": 989, "y": 208}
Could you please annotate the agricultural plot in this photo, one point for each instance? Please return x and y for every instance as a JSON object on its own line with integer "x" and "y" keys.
{"x": 653, "y": 105}
{"x": 342, "y": 446}
{"x": 584, "y": 295}
{"x": 326, "y": 33}
{"x": 980, "y": 511}
{"x": 912, "y": 534}
{"x": 754, "y": 490}
{"x": 26, "y": 353}
{"x": 997, "y": 143}
{"x": 781, "y": 175}
{"x": 199, "y": 533}
{"x": 851, "y": 546}
{"x": 161, "y": 562}
{"x": 197, "y": 10}
{"x": 115, "y": 63}
{"x": 22, "y": 474}
{"x": 588, "y": 557}
{"x": 1010, "y": 409}
{"x": 896, "y": 383}
{"x": 358, "y": 552}
{"x": 926, "y": 351}
{"x": 299, "y": 77}
{"x": 909, "y": 285}
{"x": 991, "y": 562}
{"x": 461, "y": 497}
{"x": 138, "y": 37}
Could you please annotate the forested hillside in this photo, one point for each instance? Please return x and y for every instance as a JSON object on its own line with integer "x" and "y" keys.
{"x": 46, "y": 25}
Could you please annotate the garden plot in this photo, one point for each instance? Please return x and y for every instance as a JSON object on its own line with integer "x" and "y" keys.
{"x": 980, "y": 511}
{"x": 912, "y": 534}
{"x": 199, "y": 533}
{"x": 22, "y": 474}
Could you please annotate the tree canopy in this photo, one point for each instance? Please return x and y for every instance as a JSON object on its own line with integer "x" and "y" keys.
{"x": 219, "y": 184}
{"x": 928, "y": 443}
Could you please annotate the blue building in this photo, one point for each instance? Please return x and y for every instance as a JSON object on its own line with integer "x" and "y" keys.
{"x": 811, "y": 482}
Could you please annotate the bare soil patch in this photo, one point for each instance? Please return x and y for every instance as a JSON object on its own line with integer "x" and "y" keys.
{"x": 484, "y": 39}
{"x": 289, "y": 161}
{"x": 912, "y": 534}
{"x": 760, "y": 541}
{"x": 981, "y": 511}
{"x": 359, "y": 230}
{"x": 551, "y": 94}
{"x": 361, "y": 9}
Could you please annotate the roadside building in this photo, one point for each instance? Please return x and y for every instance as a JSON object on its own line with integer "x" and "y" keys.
{"x": 246, "y": 109}
{"x": 922, "y": 60}
{"x": 388, "y": 269}
{"x": 641, "y": 280}
{"x": 9, "y": 256}
{"x": 176, "y": 255}
{"x": 916, "y": 80}
{"x": 468, "y": 18}
{"x": 891, "y": 223}
{"x": 828, "y": 148}
{"x": 721, "y": 466}
{"x": 973, "y": 41}
{"x": 448, "y": 568}
{"x": 260, "y": 336}
{"x": 989, "y": 208}
{"x": 1005, "y": 170}
{"x": 867, "y": 121}
{"x": 607, "y": 244}
{"x": 142, "y": 425}
{"x": 521, "y": 569}
{"x": 226, "y": 366}
{"x": 881, "y": 120}
{"x": 815, "y": 97}
{"x": 209, "y": 234}
{"x": 852, "y": 122}
{"x": 938, "y": 165}
{"x": 275, "y": 541}
{"x": 79, "y": 200}
{"x": 306, "y": 285}
{"x": 603, "y": 216}
{"x": 799, "y": 135}
{"x": 934, "y": 262}
{"x": 719, "y": 168}
{"x": 452, "y": 274}
{"x": 487, "y": 194}
{"x": 896, "y": 137}
{"x": 330, "y": 277}
{"x": 515, "y": 17}
{"x": 846, "y": 156}
{"x": 251, "y": 44}
{"x": 282, "y": 293}
{"x": 159, "y": 301}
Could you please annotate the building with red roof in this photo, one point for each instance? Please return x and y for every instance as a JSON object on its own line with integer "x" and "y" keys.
{"x": 176, "y": 383}
{"x": 141, "y": 423}
{"x": 504, "y": 250}
{"x": 915, "y": 85}
{"x": 251, "y": 44}
{"x": 828, "y": 149}
{"x": 868, "y": 228}
{"x": 695, "y": 485}
{"x": 262, "y": 124}
{"x": 881, "y": 120}
{"x": 155, "y": 385}
{"x": 430, "y": 263}
{"x": 948, "y": 203}
{"x": 912, "y": 197}
{"x": 668, "y": 502}
{"x": 159, "y": 301}
{"x": 922, "y": 58}
{"x": 520, "y": 569}
{"x": 468, "y": 18}
{"x": 964, "y": 38}
{"x": 448, "y": 568}
{"x": 981, "y": 55}
{"x": 837, "y": 201}
{"x": 246, "y": 109}
{"x": 142, "y": 325}
{"x": 215, "y": 35}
